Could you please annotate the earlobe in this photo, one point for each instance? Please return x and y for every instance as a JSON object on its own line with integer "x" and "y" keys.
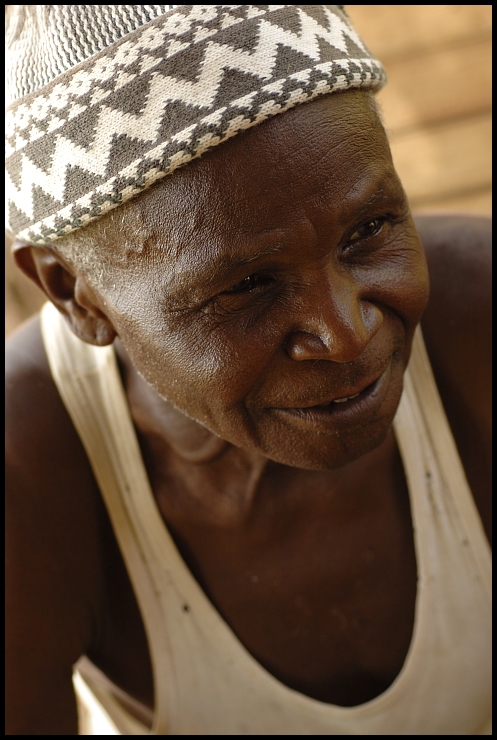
{"x": 69, "y": 293}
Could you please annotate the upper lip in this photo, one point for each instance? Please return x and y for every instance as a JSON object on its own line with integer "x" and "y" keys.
{"x": 345, "y": 392}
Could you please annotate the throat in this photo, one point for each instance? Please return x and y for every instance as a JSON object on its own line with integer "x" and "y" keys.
{"x": 220, "y": 494}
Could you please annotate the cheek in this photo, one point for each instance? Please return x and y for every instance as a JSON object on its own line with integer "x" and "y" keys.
{"x": 204, "y": 370}
{"x": 415, "y": 287}
{"x": 401, "y": 283}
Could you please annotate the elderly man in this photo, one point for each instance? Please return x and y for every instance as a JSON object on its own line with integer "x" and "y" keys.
{"x": 232, "y": 484}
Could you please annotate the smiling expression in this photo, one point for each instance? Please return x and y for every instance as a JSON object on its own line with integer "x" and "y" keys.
{"x": 279, "y": 274}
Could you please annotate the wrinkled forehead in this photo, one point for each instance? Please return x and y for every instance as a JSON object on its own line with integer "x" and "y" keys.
{"x": 321, "y": 149}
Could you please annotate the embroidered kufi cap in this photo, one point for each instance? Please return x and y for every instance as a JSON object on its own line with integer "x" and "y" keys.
{"x": 104, "y": 100}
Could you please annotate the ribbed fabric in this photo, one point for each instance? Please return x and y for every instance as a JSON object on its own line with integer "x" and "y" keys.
{"x": 205, "y": 680}
{"x": 43, "y": 41}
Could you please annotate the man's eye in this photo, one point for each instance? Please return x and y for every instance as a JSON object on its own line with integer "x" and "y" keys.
{"x": 247, "y": 284}
{"x": 370, "y": 228}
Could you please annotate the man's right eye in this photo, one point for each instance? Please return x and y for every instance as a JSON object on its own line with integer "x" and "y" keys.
{"x": 251, "y": 282}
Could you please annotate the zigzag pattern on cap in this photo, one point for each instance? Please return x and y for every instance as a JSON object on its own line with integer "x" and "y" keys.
{"x": 162, "y": 95}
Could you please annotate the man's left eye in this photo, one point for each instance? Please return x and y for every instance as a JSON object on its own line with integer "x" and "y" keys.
{"x": 370, "y": 228}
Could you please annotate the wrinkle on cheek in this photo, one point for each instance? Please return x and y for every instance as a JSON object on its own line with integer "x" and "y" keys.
{"x": 197, "y": 366}
{"x": 410, "y": 261}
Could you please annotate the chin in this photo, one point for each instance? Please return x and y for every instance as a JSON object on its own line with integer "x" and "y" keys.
{"x": 332, "y": 451}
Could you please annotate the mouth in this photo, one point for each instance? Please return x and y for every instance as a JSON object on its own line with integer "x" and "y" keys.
{"x": 357, "y": 406}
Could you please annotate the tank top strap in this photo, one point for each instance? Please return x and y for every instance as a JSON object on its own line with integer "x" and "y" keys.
{"x": 88, "y": 380}
{"x": 439, "y": 490}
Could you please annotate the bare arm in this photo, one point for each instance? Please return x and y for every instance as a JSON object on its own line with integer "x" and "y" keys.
{"x": 51, "y": 600}
{"x": 39, "y": 695}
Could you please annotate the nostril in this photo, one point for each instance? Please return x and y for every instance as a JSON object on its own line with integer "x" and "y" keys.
{"x": 342, "y": 339}
{"x": 302, "y": 345}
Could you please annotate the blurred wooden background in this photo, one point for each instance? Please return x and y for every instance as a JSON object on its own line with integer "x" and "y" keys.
{"x": 437, "y": 103}
{"x": 436, "y": 106}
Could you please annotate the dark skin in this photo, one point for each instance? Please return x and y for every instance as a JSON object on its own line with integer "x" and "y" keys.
{"x": 302, "y": 541}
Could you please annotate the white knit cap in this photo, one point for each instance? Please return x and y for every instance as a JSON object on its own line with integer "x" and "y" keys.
{"x": 104, "y": 100}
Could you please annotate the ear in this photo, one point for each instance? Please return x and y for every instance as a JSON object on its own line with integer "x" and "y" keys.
{"x": 69, "y": 292}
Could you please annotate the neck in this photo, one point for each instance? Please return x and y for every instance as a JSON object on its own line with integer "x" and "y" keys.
{"x": 221, "y": 478}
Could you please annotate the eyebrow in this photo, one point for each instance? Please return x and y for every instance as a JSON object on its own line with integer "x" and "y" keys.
{"x": 218, "y": 266}
{"x": 374, "y": 192}
{"x": 223, "y": 262}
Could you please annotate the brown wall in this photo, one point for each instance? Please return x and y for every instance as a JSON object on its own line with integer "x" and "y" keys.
{"x": 436, "y": 106}
{"x": 437, "y": 103}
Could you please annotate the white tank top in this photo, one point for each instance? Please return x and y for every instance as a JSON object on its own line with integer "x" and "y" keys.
{"x": 206, "y": 682}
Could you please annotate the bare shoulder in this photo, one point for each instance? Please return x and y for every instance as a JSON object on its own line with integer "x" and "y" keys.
{"x": 53, "y": 558}
{"x": 459, "y": 253}
{"x": 457, "y": 331}
{"x": 457, "y": 321}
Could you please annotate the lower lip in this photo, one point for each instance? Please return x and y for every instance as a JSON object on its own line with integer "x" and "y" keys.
{"x": 358, "y": 410}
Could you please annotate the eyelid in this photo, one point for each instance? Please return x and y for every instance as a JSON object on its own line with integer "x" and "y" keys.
{"x": 232, "y": 289}
{"x": 263, "y": 280}
{"x": 388, "y": 217}
{"x": 382, "y": 220}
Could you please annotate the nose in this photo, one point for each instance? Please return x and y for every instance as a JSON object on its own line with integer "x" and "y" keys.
{"x": 335, "y": 323}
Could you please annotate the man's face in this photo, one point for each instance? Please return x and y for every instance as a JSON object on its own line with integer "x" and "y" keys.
{"x": 281, "y": 272}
